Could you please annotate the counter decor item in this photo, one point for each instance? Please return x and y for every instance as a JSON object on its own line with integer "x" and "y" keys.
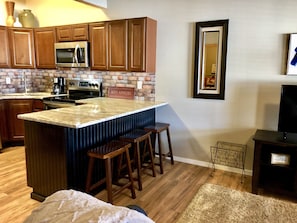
{"x": 10, "y": 10}
{"x": 27, "y": 18}
{"x": 17, "y": 23}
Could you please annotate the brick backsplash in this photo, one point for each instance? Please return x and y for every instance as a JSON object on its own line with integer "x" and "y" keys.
{"x": 42, "y": 80}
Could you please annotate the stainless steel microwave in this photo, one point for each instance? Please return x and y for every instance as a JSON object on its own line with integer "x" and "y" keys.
{"x": 72, "y": 54}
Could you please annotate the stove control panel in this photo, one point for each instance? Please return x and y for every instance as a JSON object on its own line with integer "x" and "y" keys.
{"x": 83, "y": 84}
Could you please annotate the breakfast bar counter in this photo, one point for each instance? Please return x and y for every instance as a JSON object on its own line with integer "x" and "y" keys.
{"x": 57, "y": 140}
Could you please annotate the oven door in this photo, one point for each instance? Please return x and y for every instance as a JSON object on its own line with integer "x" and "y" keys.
{"x": 56, "y": 104}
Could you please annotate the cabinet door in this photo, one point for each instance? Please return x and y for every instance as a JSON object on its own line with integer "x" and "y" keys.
{"x": 4, "y": 50}
{"x": 15, "y": 125}
{"x": 45, "y": 39}
{"x": 98, "y": 46}
{"x": 118, "y": 45}
{"x": 137, "y": 45}
{"x": 22, "y": 47}
{"x": 37, "y": 105}
{"x": 80, "y": 32}
{"x": 77, "y": 32}
{"x": 3, "y": 124}
{"x": 142, "y": 44}
{"x": 64, "y": 33}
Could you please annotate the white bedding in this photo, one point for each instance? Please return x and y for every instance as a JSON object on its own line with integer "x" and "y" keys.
{"x": 74, "y": 206}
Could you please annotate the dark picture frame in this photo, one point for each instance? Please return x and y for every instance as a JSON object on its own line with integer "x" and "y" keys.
{"x": 292, "y": 55}
{"x": 210, "y": 59}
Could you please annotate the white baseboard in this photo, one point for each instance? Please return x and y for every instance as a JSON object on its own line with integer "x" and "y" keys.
{"x": 209, "y": 165}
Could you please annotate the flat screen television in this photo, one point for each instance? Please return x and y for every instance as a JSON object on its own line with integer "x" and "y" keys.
{"x": 287, "y": 120}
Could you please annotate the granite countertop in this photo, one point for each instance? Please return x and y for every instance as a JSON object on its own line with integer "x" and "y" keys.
{"x": 29, "y": 95}
{"x": 92, "y": 111}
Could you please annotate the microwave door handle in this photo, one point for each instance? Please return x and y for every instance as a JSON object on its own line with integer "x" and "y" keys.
{"x": 75, "y": 54}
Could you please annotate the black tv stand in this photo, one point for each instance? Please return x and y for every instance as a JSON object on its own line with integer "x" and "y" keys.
{"x": 274, "y": 177}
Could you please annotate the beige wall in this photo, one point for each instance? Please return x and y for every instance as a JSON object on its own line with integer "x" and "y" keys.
{"x": 256, "y": 52}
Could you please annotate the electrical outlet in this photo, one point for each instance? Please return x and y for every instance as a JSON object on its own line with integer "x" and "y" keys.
{"x": 8, "y": 80}
{"x": 139, "y": 84}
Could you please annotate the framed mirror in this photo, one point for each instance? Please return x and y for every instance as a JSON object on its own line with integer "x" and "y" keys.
{"x": 210, "y": 59}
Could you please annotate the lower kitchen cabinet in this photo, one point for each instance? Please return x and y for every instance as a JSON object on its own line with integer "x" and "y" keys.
{"x": 3, "y": 124}
{"x": 37, "y": 105}
{"x": 16, "y": 126}
{"x": 12, "y": 128}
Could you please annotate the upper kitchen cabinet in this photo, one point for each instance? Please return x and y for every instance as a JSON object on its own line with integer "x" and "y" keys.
{"x": 45, "y": 39}
{"x": 77, "y": 32}
{"x": 98, "y": 45}
{"x": 4, "y": 49}
{"x": 124, "y": 45}
{"x": 142, "y": 44}
{"x": 117, "y": 45}
{"x": 21, "y": 47}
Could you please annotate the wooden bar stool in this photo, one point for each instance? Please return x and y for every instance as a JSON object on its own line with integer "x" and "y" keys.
{"x": 106, "y": 152}
{"x": 156, "y": 129}
{"x": 136, "y": 137}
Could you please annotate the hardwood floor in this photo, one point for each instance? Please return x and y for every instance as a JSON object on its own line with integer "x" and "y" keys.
{"x": 164, "y": 197}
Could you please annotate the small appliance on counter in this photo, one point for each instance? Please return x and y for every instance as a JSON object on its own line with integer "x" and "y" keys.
{"x": 59, "y": 86}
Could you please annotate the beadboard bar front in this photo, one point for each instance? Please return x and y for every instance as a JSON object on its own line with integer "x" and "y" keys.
{"x": 56, "y": 157}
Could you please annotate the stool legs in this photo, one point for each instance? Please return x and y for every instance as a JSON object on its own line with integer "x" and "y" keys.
{"x": 89, "y": 175}
{"x": 170, "y": 146}
{"x": 107, "y": 153}
{"x": 151, "y": 156}
{"x": 160, "y": 153}
{"x": 108, "y": 174}
{"x": 138, "y": 160}
{"x": 156, "y": 129}
{"x": 138, "y": 163}
{"x": 130, "y": 174}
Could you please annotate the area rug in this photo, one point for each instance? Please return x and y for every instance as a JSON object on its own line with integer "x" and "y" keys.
{"x": 215, "y": 203}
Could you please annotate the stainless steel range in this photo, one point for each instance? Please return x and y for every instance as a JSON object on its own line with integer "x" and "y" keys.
{"x": 77, "y": 89}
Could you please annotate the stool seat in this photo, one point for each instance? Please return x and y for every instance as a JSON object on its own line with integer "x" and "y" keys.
{"x": 156, "y": 129}
{"x": 137, "y": 136}
{"x": 107, "y": 152}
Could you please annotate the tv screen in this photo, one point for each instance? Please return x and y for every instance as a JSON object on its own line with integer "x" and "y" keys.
{"x": 287, "y": 121}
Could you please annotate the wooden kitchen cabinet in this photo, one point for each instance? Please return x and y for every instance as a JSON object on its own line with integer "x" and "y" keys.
{"x": 142, "y": 45}
{"x": 76, "y": 32}
{"x": 3, "y": 124}
{"x": 37, "y": 105}
{"x": 4, "y": 48}
{"x": 98, "y": 45}
{"x": 117, "y": 45}
{"x": 45, "y": 39}
{"x": 124, "y": 45}
{"x": 21, "y": 43}
{"x": 16, "y": 126}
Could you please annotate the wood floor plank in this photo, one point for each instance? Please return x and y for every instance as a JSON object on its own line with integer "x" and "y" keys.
{"x": 163, "y": 197}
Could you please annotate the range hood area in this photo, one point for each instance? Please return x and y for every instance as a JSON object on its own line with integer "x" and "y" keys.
{"x": 96, "y": 3}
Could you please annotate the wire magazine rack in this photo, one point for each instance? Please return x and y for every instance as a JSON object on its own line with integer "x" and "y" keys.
{"x": 229, "y": 154}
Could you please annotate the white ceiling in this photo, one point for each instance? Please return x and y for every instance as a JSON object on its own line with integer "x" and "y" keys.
{"x": 97, "y": 3}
